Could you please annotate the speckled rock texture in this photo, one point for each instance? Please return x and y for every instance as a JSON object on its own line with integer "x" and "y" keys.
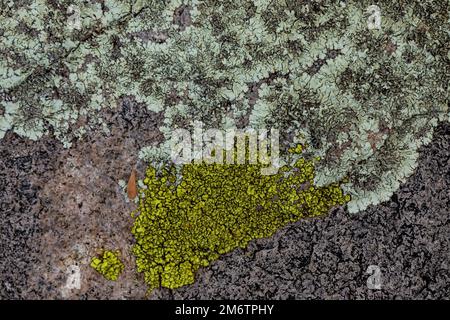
{"x": 21, "y": 161}
{"x": 60, "y": 206}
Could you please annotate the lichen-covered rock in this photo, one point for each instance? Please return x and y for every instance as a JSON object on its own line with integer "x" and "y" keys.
{"x": 364, "y": 99}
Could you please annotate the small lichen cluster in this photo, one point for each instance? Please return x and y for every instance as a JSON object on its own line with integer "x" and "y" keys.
{"x": 187, "y": 219}
{"x": 108, "y": 264}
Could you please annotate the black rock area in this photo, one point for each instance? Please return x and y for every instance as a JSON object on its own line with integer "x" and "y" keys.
{"x": 21, "y": 160}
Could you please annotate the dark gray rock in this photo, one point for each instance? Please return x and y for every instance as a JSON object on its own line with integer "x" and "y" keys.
{"x": 20, "y": 208}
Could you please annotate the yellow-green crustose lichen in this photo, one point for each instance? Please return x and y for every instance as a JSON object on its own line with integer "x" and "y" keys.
{"x": 185, "y": 224}
{"x": 108, "y": 264}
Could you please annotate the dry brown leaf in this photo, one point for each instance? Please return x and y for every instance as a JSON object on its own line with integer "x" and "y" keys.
{"x": 131, "y": 187}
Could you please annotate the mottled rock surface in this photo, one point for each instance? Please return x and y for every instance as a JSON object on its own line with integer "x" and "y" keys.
{"x": 60, "y": 207}
{"x": 21, "y": 161}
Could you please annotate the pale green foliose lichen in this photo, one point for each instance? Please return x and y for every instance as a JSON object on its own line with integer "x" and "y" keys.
{"x": 363, "y": 100}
